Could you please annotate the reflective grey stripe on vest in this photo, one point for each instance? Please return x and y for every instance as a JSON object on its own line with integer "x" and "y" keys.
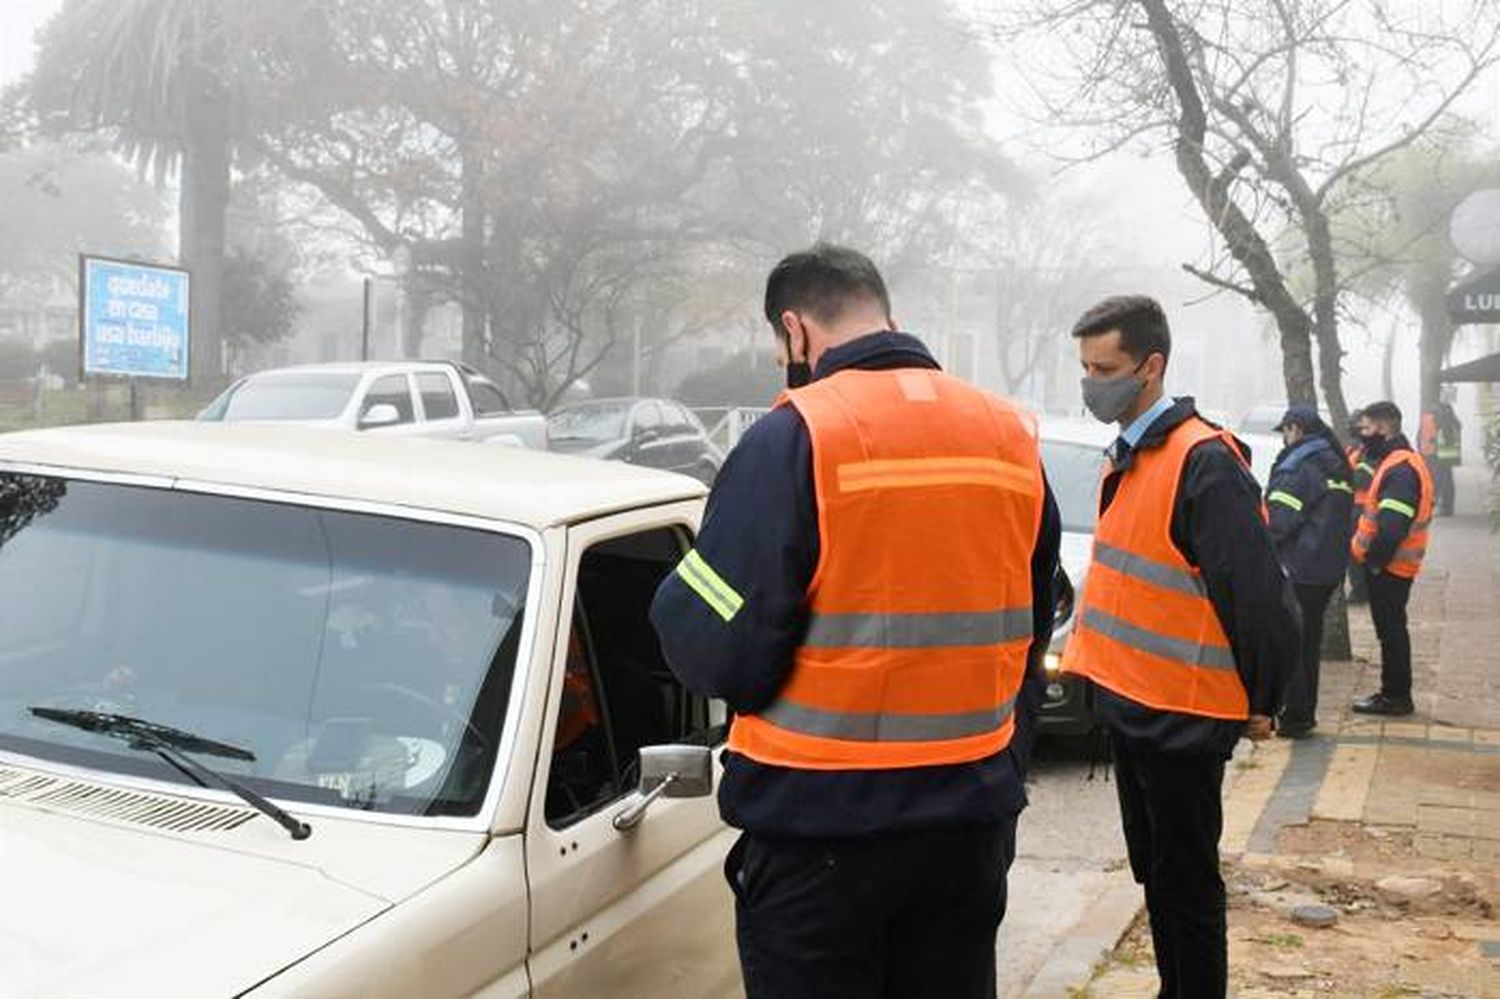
{"x": 871, "y": 727}
{"x": 918, "y": 631}
{"x": 1166, "y": 646}
{"x": 1168, "y": 577}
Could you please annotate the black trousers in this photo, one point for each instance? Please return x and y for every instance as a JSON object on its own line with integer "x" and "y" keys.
{"x": 1301, "y": 697}
{"x": 910, "y": 916}
{"x": 1388, "y": 597}
{"x": 1171, "y": 808}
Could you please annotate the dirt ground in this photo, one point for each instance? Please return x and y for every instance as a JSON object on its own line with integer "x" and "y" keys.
{"x": 1421, "y": 938}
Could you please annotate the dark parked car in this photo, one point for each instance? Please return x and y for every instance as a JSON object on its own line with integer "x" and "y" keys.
{"x": 656, "y": 433}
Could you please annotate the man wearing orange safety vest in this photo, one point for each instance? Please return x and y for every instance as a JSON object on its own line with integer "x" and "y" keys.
{"x": 1390, "y": 542}
{"x": 1186, "y": 628}
{"x": 871, "y": 594}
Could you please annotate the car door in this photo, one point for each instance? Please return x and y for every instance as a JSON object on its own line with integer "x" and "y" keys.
{"x": 683, "y": 437}
{"x": 394, "y": 390}
{"x": 649, "y": 445}
{"x": 441, "y": 416}
{"x": 643, "y": 913}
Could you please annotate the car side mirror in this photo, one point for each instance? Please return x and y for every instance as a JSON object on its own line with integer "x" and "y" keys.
{"x": 382, "y": 414}
{"x": 672, "y": 771}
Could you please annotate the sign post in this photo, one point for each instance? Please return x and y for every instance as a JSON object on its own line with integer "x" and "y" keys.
{"x": 133, "y": 322}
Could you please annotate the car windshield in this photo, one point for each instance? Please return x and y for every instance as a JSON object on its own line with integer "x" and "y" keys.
{"x": 604, "y": 421}
{"x": 302, "y": 396}
{"x": 1073, "y": 472}
{"x": 366, "y": 661}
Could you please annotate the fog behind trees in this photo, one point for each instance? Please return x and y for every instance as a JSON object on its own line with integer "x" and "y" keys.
{"x": 583, "y": 198}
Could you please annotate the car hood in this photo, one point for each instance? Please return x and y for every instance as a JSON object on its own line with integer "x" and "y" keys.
{"x": 95, "y": 906}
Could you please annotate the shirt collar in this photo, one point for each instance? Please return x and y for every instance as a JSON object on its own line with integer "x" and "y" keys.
{"x": 1132, "y": 434}
{"x": 877, "y": 350}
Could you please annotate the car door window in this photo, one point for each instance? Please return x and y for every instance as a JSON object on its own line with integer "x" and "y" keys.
{"x": 677, "y": 420}
{"x": 438, "y": 399}
{"x": 392, "y": 390}
{"x": 618, "y": 695}
{"x": 647, "y": 419}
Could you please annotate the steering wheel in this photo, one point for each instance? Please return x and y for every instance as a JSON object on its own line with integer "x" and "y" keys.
{"x": 435, "y": 709}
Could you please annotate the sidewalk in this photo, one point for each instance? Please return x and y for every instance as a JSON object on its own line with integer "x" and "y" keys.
{"x": 1393, "y": 826}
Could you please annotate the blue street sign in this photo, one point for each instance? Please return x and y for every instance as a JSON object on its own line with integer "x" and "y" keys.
{"x": 134, "y": 320}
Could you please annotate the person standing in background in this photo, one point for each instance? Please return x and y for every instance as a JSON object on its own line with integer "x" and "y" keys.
{"x": 1310, "y": 500}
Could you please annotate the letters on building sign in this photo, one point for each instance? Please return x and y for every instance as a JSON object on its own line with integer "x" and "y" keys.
{"x": 1476, "y": 300}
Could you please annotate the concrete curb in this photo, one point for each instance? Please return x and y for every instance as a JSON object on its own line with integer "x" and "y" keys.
{"x": 1093, "y": 938}
{"x": 1074, "y": 959}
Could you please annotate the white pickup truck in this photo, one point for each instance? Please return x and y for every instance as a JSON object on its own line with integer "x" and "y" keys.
{"x": 402, "y": 398}
{"x": 291, "y": 713}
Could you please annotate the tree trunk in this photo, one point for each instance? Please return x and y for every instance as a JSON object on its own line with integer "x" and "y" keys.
{"x": 1336, "y": 643}
{"x": 1428, "y": 296}
{"x": 203, "y": 204}
{"x": 1212, "y": 190}
{"x": 1325, "y": 305}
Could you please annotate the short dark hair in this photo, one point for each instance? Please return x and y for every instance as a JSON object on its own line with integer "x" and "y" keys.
{"x": 823, "y": 281}
{"x": 1383, "y": 411}
{"x": 1140, "y": 320}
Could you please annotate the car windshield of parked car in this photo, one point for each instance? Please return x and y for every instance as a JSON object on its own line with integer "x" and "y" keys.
{"x": 365, "y": 661}
{"x": 302, "y": 396}
{"x": 597, "y": 422}
{"x": 1073, "y": 471}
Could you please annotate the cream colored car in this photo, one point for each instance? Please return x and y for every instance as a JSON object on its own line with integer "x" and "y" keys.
{"x": 292, "y": 713}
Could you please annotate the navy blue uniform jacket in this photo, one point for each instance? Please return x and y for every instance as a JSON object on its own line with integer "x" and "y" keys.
{"x": 760, "y": 535}
{"x": 1311, "y": 501}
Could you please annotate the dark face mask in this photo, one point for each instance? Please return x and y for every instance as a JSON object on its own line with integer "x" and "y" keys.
{"x": 798, "y": 373}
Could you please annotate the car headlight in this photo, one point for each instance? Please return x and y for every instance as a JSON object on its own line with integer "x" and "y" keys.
{"x": 1052, "y": 663}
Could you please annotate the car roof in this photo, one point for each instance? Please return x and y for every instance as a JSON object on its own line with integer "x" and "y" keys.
{"x": 355, "y": 368}
{"x": 536, "y": 489}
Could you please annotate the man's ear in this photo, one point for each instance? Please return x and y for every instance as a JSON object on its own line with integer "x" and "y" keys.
{"x": 796, "y": 336}
{"x": 1157, "y": 365}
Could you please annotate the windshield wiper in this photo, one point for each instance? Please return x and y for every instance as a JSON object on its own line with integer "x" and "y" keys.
{"x": 172, "y": 745}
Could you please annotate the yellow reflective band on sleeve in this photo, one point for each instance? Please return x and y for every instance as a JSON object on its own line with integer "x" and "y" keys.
{"x": 1399, "y": 507}
{"x": 1285, "y": 499}
{"x": 1364, "y": 467}
{"x": 1339, "y": 485}
{"x": 710, "y": 586}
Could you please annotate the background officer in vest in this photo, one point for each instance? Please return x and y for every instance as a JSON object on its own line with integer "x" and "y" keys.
{"x": 1186, "y": 627}
{"x": 1390, "y": 542}
{"x": 1440, "y": 444}
{"x": 871, "y": 594}
{"x": 1310, "y": 498}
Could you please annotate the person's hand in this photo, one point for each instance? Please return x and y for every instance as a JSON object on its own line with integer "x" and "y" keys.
{"x": 1259, "y": 728}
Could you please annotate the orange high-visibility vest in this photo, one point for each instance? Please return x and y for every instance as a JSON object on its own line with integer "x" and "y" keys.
{"x": 930, "y": 497}
{"x": 1407, "y": 562}
{"x": 1146, "y": 628}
